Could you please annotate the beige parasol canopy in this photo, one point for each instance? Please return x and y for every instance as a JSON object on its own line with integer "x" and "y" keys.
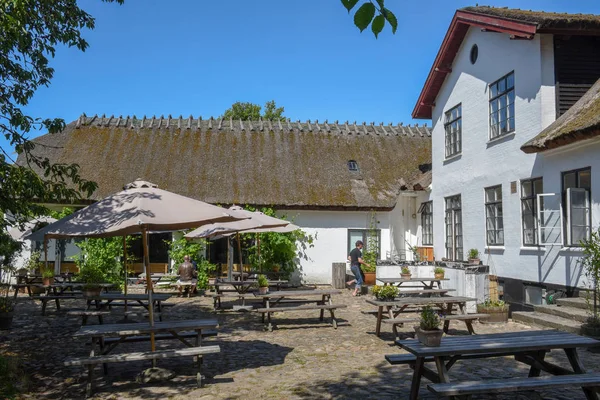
{"x": 140, "y": 207}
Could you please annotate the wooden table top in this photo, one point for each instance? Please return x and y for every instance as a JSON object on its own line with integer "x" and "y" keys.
{"x": 399, "y": 279}
{"x": 419, "y": 301}
{"x": 299, "y": 293}
{"x": 248, "y": 283}
{"x": 145, "y": 328}
{"x": 516, "y": 342}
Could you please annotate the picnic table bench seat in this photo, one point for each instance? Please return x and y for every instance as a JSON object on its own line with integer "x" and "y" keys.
{"x": 468, "y": 388}
{"x": 330, "y": 307}
{"x": 85, "y": 314}
{"x": 160, "y": 336}
{"x": 91, "y": 362}
{"x": 57, "y": 299}
{"x": 466, "y": 318}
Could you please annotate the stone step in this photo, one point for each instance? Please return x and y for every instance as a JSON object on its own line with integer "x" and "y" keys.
{"x": 583, "y": 293}
{"x": 575, "y": 314}
{"x": 575, "y": 302}
{"x": 547, "y": 321}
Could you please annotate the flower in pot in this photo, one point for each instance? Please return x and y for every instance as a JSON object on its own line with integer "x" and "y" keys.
{"x": 91, "y": 277}
{"x": 474, "y": 257}
{"x": 7, "y": 308}
{"x": 48, "y": 277}
{"x": 263, "y": 284}
{"x": 405, "y": 274}
{"x": 385, "y": 293}
{"x": 429, "y": 332}
{"x": 438, "y": 272}
{"x": 496, "y": 309}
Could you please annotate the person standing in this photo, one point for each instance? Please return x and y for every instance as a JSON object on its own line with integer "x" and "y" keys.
{"x": 356, "y": 260}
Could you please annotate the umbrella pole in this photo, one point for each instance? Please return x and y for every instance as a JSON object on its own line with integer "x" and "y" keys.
{"x": 258, "y": 250}
{"x": 149, "y": 286}
{"x": 45, "y": 254}
{"x": 241, "y": 260}
{"x": 125, "y": 266}
{"x": 229, "y": 260}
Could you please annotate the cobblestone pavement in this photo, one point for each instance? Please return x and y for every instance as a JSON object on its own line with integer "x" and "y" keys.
{"x": 301, "y": 359}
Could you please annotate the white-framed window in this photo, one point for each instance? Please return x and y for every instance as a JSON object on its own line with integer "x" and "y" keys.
{"x": 454, "y": 241}
{"x": 453, "y": 128}
{"x": 494, "y": 227}
{"x": 530, "y": 188}
{"x": 364, "y": 235}
{"x": 502, "y": 106}
{"x": 426, "y": 211}
{"x": 577, "y": 213}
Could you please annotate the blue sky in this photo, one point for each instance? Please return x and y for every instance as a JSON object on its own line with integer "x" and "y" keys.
{"x": 152, "y": 57}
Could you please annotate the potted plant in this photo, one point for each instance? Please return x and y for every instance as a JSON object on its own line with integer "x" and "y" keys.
{"x": 497, "y": 310}
{"x": 48, "y": 277}
{"x": 263, "y": 284}
{"x": 33, "y": 265}
{"x": 385, "y": 293}
{"x": 473, "y": 257}
{"x": 428, "y": 331}
{"x": 91, "y": 277}
{"x": 438, "y": 272}
{"x": 7, "y": 309}
{"x": 405, "y": 274}
{"x": 591, "y": 264}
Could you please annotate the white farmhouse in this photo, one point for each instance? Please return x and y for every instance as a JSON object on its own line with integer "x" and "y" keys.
{"x": 334, "y": 180}
{"x": 500, "y": 80}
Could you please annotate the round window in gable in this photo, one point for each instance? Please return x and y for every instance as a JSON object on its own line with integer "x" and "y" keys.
{"x": 353, "y": 166}
{"x": 474, "y": 54}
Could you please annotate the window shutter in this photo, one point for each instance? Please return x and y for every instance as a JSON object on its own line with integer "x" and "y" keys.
{"x": 549, "y": 216}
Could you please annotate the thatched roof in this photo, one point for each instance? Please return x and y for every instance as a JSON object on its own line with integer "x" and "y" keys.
{"x": 284, "y": 164}
{"x": 544, "y": 20}
{"x": 580, "y": 122}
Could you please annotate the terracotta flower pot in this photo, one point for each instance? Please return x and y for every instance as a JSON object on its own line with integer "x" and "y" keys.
{"x": 370, "y": 278}
{"x": 439, "y": 276}
{"x": 91, "y": 291}
{"x": 48, "y": 281}
{"x": 474, "y": 261}
{"x": 496, "y": 314}
{"x": 263, "y": 290}
{"x": 431, "y": 338}
{"x": 405, "y": 276}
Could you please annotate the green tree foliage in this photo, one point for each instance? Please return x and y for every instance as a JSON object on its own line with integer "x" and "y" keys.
{"x": 30, "y": 31}
{"x": 252, "y": 112}
{"x": 371, "y": 13}
{"x": 100, "y": 259}
{"x": 178, "y": 249}
{"x": 277, "y": 250}
{"x": 591, "y": 264}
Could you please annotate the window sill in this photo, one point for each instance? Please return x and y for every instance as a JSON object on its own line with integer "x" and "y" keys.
{"x": 533, "y": 248}
{"x": 495, "y": 248}
{"x": 572, "y": 249}
{"x": 500, "y": 138}
{"x": 452, "y": 158}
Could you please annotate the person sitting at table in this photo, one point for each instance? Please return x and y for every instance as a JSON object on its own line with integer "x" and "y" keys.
{"x": 187, "y": 275}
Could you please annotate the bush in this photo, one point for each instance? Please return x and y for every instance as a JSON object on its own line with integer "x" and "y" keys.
{"x": 385, "y": 292}
{"x": 262, "y": 281}
{"x": 48, "y": 273}
{"x": 500, "y": 304}
{"x": 6, "y": 304}
{"x": 473, "y": 253}
{"x": 405, "y": 270}
{"x": 438, "y": 270}
{"x": 13, "y": 379}
{"x": 429, "y": 319}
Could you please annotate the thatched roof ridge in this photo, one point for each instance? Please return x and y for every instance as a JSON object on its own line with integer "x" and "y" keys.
{"x": 284, "y": 164}
{"x": 543, "y": 19}
{"x": 580, "y": 122}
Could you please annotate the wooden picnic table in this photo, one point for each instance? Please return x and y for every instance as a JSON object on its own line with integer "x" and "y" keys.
{"x": 322, "y": 302}
{"x": 105, "y": 338}
{"x": 106, "y": 299}
{"x": 243, "y": 286}
{"x": 427, "y": 283}
{"x": 395, "y": 307}
{"x": 67, "y": 288}
{"x": 529, "y": 347}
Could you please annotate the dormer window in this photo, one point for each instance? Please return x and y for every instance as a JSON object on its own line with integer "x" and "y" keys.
{"x": 352, "y": 166}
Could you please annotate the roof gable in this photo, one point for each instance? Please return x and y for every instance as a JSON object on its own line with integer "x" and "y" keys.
{"x": 286, "y": 164}
{"x": 517, "y": 23}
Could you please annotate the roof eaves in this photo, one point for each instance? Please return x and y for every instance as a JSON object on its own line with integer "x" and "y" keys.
{"x": 444, "y": 59}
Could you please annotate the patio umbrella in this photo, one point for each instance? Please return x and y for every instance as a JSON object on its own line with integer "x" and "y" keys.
{"x": 141, "y": 207}
{"x": 254, "y": 220}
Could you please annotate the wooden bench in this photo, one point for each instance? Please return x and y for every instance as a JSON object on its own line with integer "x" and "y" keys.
{"x": 91, "y": 362}
{"x": 46, "y": 299}
{"x": 410, "y": 359}
{"x": 466, "y": 318}
{"x": 160, "y": 336}
{"x": 84, "y": 314}
{"x": 330, "y": 307}
{"x": 514, "y": 384}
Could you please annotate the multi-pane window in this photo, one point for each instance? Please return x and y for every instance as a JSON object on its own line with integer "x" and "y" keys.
{"x": 364, "y": 235}
{"x": 530, "y": 188}
{"x": 494, "y": 227}
{"x": 426, "y": 211}
{"x": 453, "y": 128}
{"x": 454, "y": 244}
{"x": 502, "y": 106}
{"x": 577, "y": 215}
